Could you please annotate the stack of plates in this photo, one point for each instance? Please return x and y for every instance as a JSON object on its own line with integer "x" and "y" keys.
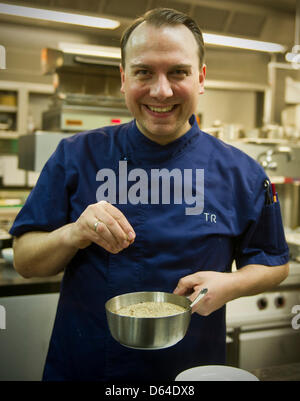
{"x": 215, "y": 373}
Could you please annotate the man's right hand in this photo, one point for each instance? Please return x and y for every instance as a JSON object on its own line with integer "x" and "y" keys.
{"x": 103, "y": 224}
{"x": 42, "y": 253}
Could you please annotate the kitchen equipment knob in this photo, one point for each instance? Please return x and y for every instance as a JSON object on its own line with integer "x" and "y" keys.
{"x": 279, "y": 301}
{"x": 262, "y": 303}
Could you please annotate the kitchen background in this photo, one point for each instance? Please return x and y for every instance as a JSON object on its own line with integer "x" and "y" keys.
{"x": 54, "y": 86}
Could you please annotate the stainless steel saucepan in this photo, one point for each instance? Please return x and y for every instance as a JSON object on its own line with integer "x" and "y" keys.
{"x": 149, "y": 333}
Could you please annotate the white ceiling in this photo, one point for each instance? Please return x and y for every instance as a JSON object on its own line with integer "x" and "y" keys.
{"x": 269, "y": 20}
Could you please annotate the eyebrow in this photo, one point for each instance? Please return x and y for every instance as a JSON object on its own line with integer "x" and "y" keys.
{"x": 139, "y": 65}
{"x": 176, "y": 66}
{"x": 181, "y": 66}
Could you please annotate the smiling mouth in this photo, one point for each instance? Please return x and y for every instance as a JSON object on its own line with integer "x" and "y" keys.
{"x": 165, "y": 109}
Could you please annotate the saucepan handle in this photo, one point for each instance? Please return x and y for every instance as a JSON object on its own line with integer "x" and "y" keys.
{"x": 201, "y": 294}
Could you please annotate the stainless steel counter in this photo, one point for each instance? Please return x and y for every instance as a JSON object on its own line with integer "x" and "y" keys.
{"x": 12, "y": 284}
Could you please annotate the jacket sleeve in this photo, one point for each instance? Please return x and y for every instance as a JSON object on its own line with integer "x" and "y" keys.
{"x": 263, "y": 241}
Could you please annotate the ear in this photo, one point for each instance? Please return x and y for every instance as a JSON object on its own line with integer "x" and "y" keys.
{"x": 202, "y": 75}
{"x": 122, "y": 72}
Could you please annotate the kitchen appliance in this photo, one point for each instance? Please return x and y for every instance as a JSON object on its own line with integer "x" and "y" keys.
{"x": 82, "y": 118}
{"x": 35, "y": 149}
{"x": 77, "y": 112}
{"x": 261, "y": 327}
{"x": 24, "y": 342}
{"x": 87, "y": 92}
{"x": 149, "y": 333}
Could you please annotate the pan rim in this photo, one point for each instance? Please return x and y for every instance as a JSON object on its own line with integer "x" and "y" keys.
{"x": 188, "y": 309}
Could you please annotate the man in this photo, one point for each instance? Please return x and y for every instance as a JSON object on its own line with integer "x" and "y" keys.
{"x": 198, "y": 205}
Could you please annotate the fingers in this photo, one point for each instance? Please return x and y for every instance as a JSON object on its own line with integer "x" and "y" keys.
{"x": 187, "y": 284}
{"x": 220, "y": 287}
{"x": 190, "y": 286}
{"x": 115, "y": 222}
{"x": 107, "y": 226}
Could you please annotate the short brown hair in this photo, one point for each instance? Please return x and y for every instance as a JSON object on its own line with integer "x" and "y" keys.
{"x": 164, "y": 16}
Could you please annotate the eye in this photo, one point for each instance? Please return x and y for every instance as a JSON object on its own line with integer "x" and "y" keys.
{"x": 180, "y": 73}
{"x": 142, "y": 73}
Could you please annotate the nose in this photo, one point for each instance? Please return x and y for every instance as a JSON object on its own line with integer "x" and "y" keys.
{"x": 161, "y": 88}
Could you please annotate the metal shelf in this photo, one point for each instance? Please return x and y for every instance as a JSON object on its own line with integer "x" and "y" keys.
{"x": 24, "y": 92}
{"x": 9, "y": 135}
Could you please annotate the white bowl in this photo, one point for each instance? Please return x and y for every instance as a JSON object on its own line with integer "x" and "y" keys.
{"x": 215, "y": 373}
{"x": 8, "y": 254}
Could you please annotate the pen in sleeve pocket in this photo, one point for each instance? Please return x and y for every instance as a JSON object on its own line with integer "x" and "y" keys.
{"x": 274, "y": 193}
{"x": 268, "y": 197}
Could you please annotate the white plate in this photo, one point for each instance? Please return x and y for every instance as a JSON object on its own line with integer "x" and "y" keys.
{"x": 215, "y": 373}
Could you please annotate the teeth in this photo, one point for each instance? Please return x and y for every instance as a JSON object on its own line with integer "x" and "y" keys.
{"x": 161, "y": 109}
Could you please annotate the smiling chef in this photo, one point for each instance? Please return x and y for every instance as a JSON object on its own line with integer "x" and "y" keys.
{"x": 144, "y": 234}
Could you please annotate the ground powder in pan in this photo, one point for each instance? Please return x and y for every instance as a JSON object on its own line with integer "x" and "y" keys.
{"x": 151, "y": 309}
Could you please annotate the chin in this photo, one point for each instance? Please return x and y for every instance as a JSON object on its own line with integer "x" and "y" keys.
{"x": 160, "y": 131}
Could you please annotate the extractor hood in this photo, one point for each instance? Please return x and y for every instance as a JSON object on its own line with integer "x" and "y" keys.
{"x": 56, "y": 59}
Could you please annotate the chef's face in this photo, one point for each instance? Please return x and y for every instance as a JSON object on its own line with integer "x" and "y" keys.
{"x": 162, "y": 80}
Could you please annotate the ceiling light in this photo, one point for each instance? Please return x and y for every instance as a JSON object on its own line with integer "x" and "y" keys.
{"x": 90, "y": 50}
{"x": 57, "y": 16}
{"x": 241, "y": 43}
{"x": 209, "y": 39}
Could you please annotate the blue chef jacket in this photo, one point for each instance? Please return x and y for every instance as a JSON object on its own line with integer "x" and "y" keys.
{"x": 232, "y": 222}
